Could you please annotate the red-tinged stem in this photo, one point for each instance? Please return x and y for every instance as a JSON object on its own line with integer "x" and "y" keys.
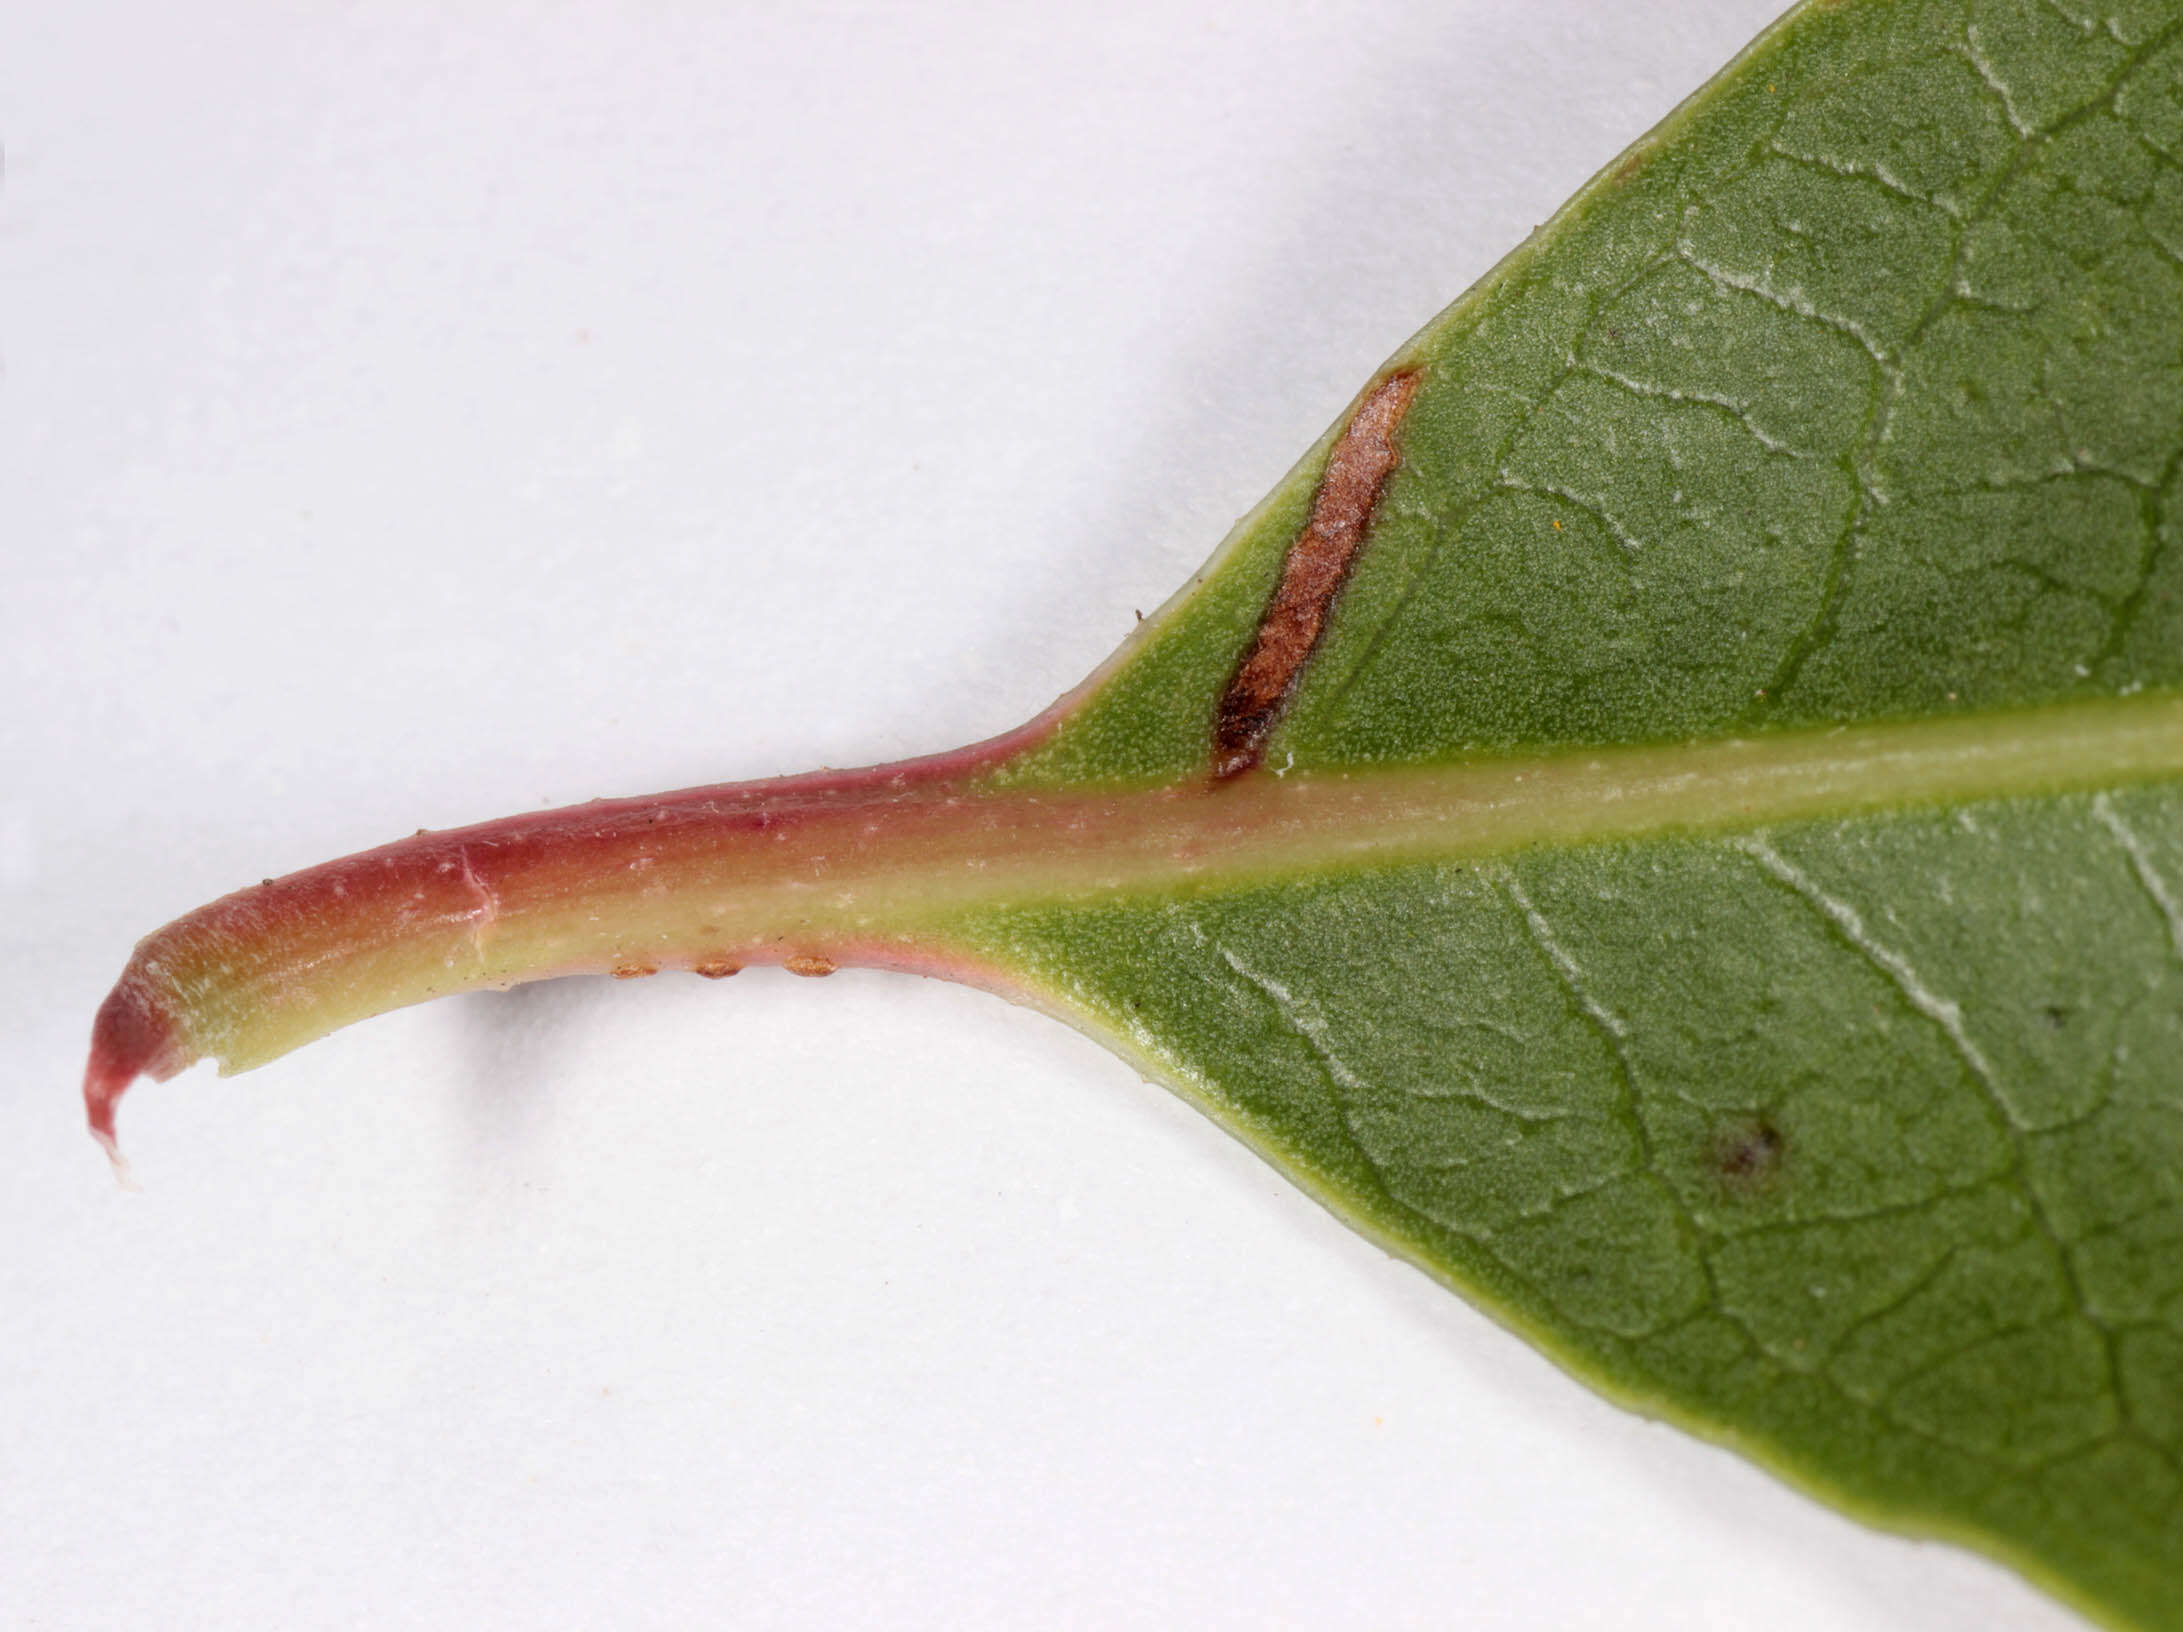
{"x": 878, "y": 867}
{"x": 266, "y": 969}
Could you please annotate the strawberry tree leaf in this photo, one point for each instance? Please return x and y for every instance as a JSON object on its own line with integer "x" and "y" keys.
{"x": 1671, "y": 817}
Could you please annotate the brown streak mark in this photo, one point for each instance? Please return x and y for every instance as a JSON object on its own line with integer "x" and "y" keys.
{"x": 1318, "y": 565}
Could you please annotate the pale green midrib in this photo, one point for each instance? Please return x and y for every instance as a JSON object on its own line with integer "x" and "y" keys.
{"x": 1325, "y": 822}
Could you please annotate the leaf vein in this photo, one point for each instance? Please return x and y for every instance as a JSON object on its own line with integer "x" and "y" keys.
{"x": 1947, "y": 1016}
{"x": 2144, "y": 869}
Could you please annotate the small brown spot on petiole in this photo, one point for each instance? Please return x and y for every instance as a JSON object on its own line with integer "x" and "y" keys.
{"x": 810, "y": 966}
{"x": 634, "y": 971}
{"x": 716, "y": 968}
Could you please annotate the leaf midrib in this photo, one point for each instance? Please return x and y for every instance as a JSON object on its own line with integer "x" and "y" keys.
{"x": 1325, "y": 820}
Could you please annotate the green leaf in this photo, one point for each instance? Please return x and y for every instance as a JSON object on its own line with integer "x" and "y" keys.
{"x": 1708, "y": 884}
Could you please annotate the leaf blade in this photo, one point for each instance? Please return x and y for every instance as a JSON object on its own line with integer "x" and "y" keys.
{"x": 1845, "y": 1247}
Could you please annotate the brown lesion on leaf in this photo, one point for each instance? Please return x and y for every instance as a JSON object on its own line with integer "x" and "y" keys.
{"x": 634, "y": 971}
{"x": 1746, "y": 1154}
{"x": 809, "y": 965}
{"x": 1318, "y": 565}
{"x": 716, "y": 968}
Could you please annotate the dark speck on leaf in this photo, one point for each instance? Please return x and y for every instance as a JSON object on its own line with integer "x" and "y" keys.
{"x": 2055, "y": 1016}
{"x": 1746, "y": 1153}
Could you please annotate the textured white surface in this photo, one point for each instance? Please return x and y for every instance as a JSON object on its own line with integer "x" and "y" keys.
{"x": 415, "y": 413}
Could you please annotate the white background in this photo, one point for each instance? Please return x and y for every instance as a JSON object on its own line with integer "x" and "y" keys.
{"x": 416, "y": 413}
